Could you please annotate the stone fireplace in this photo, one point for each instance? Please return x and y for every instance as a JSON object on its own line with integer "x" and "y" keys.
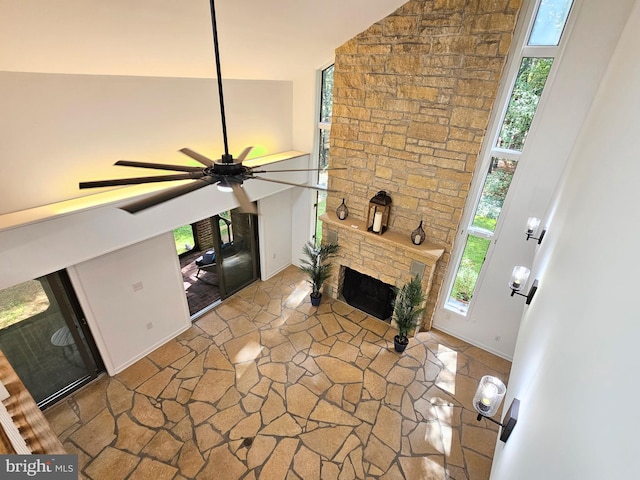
{"x": 412, "y": 98}
{"x": 390, "y": 258}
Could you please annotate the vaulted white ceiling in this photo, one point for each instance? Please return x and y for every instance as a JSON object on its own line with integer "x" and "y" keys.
{"x": 259, "y": 39}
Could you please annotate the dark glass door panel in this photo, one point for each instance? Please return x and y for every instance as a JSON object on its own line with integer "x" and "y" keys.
{"x": 238, "y": 258}
{"x": 45, "y": 337}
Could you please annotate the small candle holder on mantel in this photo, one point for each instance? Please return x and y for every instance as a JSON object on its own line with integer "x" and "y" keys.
{"x": 418, "y": 235}
{"x": 342, "y": 212}
{"x": 378, "y": 213}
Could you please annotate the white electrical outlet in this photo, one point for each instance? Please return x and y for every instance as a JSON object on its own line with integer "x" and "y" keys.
{"x": 497, "y": 338}
{"x": 137, "y": 286}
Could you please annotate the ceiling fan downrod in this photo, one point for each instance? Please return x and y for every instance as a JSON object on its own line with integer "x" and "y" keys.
{"x": 226, "y": 157}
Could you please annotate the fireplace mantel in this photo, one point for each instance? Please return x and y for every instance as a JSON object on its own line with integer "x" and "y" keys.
{"x": 391, "y": 238}
{"x": 390, "y": 257}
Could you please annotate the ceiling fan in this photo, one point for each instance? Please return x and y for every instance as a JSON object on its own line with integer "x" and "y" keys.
{"x": 228, "y": 174}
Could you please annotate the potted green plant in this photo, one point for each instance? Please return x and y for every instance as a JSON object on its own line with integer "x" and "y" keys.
{"x": 407, "y": 311}
{"x": 315, "y": 265}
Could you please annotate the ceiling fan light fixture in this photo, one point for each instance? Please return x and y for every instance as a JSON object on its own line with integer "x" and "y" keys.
{"x": 224, "y": 186}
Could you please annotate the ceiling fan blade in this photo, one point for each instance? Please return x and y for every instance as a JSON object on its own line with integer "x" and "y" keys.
{"x": 163, "y": 196}
{"x": 246, "y": 205}
{"x": 300, "y": 170}
{"x": 244, "y": 154}
{"x": 158, "y": 166}
{"x": 207, "y": 162}
{"x": 139, "y": 180}
{"x": 314, "y": 187}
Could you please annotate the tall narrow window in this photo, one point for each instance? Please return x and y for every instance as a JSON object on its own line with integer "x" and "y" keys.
{"x": 324, "y": 131}
{"x": 502, "y": 159}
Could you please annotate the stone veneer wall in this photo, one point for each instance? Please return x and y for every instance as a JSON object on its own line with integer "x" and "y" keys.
{"x": 411, "y": 103}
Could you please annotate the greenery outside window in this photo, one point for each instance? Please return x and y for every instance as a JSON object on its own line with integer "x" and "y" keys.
{"x": 184, "y": 238}
{"x": 536, "y": 61}
{"x": 324, "y": 134}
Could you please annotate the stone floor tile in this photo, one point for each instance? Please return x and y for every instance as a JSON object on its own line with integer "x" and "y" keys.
{"x": 375, "y": 385}
{"x": 183, "y": 362}
{"x": 329, "y": 471}
{"x": 349, "y": 445}
{"x": 284, "y": 426}
{"x": 275, "y": 371}
{"x": 225, "y": 420}
{"x": 478, "y": 466}
{"x": 426, "y": 439}
{"x": 231, "y": 398}
{"x": 306, "y": 464}
{"x": 211, "y": 323}
{"x": 344, "y": 351}
{"x": 168, "y": 353}
{"x": 401, "y": 376}
{"x": 146, "y": 413}
{"x": 339, "y": 371}
{"x": 279, "y": 462}
{"x": 326, "y": 441}
{"x": 92, "y": 399}
{"x": 163, "y": 446}
{"x": 478, "y": 439}
{"x": 173, "y": 411}
{"x": 83, "y": 459}
{"x": 331, "y": 414}
{"x": 152, "y": 469}
{"x": 379, "y": 454}
{"x": 200, "y": 344}
{"x": 183, "y": 429}
{"x": 300, "y": 400}
{"x": 431, "y": 466}
{"x": 157, "y": 383}
{"x": 62, "y": 417}
{"x": 194, "y": 369}
{"x": 131, "y": 435}
{"x": 246, "y": 376}
{"x": 388, "y": 426}
{"x": 318, "y": 384}
{"x": 260, "y": 450}
{"x": 96, "y": 434}
{"x": 119, "y": 464}
{"x": 222, "y": 465}
{"x": 207, "y": 437}
{"x": 213, "y": 385}
{"x": 251, "y": 403}
{"x": 201, "y": 412}
{"x": 300, "y": 340}
{"x": 119, "y": 397}
{"x": 137, "y": 373}
{"x": 190, "y": 460}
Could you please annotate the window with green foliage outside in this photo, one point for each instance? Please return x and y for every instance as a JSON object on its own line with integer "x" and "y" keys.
{"x": 523, "y": 103}
{"x": 324, "y": 127}
{"x": 183, "y": 237}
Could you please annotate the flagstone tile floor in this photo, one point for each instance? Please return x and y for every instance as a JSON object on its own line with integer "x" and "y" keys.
{"x": 267, "y": 387}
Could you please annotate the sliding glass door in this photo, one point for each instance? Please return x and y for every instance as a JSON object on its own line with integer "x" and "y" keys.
{"x": 45, "y": 337}
{"x": 235, "y": 234}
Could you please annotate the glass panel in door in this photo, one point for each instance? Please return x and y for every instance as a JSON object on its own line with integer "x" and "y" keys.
{"x": 45, "y": 338}
{"x": 238, "y": 258}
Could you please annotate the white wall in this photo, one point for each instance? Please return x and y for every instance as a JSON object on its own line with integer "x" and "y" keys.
{"x": 275, "y": 233}
{"x": 119, "y": 293}
{"x": 60, "y": 129}
{"x": 576, "y": 360}
{"x": 494, "y": 318}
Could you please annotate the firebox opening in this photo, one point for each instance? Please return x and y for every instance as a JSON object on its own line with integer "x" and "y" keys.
{"x": 368, "y": 294}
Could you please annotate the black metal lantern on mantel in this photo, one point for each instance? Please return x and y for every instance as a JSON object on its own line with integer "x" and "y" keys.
{"x": 378, "y": 214}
